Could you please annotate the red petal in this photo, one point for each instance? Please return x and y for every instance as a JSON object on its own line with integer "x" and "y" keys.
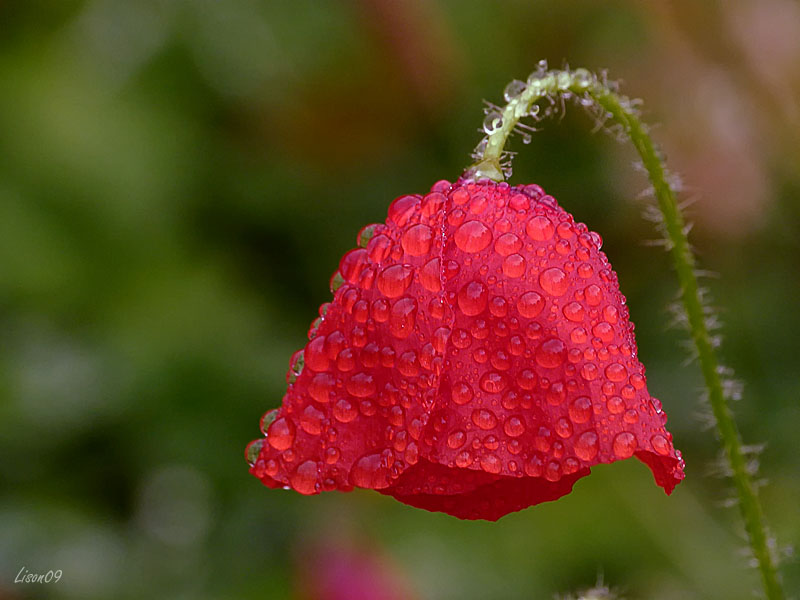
{"x": 477, "y": 360}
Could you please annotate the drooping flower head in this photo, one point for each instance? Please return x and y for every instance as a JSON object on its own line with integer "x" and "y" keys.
{"x": 477, "y": 358}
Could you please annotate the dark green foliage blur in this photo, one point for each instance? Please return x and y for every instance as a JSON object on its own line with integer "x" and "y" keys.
{"x": 178, "y": 179}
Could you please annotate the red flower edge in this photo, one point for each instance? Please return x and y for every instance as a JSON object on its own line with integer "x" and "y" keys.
{"x": 477, "y": 359}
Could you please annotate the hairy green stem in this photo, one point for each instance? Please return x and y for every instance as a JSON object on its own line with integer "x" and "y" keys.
{"x": 555, "y": 85}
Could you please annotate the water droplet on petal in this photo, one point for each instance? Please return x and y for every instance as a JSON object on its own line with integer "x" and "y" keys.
{"x": 624, "y": 444}
{"x": 492, "y": 383}
{"x": 461, "y": 393}
{"x": 280, "y": 434}
{"x": 580, "y": 409}
{"x": 394, "y": 280}
{"x": 594, "y": 295}
{"x": 473, "y": 236}
{"x": 430, "y": 275}
{"x": 554, "y": 281}
{"x": 552, "y": 471}
{"x": 491, "y": 464}
{"x": 616, "y": 372}
{"x": 304, "y": 479}
{"x": 514, "y": 266}
{"x": 506, "y": 244}
{"x": 530, "y": 304}
{"x": 311, "y": 420}
{"x": 484, "y": 418}
{"x": 615, "y": 405}
{"x": 563, "y": 427}
{"x": 402, "y": 208}
{"x": 540, "y": 228}
{"x": 586, "y": 446}
{"x": 403, "y": 317}
{"x": 360, "y": 385}
{"x": 514, "y": 426}
{"x": 369, "y": 472}
{"x": 550, "y": 353}
{"x": 417, "y": 240}
{"x": 472, "y": 298}
{"x": 321, "y": 386}
{"x": 660, "y": 444}
{"x": 253, "y": 450}
{"x": 456, "y": 439}
{"x": 343, "y": 410}
{"x": 574, "y": 312}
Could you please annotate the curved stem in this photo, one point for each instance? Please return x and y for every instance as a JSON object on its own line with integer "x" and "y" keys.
{"x": 583, "y": 84}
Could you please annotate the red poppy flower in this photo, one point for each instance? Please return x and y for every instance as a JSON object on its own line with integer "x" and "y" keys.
{"x": 477, "y": 358}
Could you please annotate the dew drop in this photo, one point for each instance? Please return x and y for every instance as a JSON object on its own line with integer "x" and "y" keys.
{"x": 514, "y": 89}
{"x": 346, "y": 361}
{"x": 417, "y": 240}
{"x": 473, "y": 236}
{"x": 344, "y": 411}
{"x": 585, "y": 270}
{"x": 563, "y": 427}
{"x": 506, "y": 244}
{"x": 461, "y": 393}
{"x": 484, "y": 418}
{"x": 456, "y": 439}
{"x": 403, "y": 317}
{"x": 660, "y": 444}
{"x": 540, "y": 228}
{"x": 630, "y": 416}
{"x": 514, "y": 426}
{"x": 550, "y": 353}
{"x": 401, "y": 209}
{"x": 352, "y": 264}
{"x": 586, "y": 446}
{"x": 321, "y": 386}
{"x": 315, "y": 356}
{"x": 552, "y": 471}
{"x": 530, "y": 304}
{"x": 500, "y": 360}
{"x": 472, "y": 298}
{"x": 556, "y": 393}
{"x": 574, "y": 312}
{"x": 491, "y": 464}
{"x": 379, "y": 248}
{"x": 514, "y": 266}
{"x": 408, "y": 364}
{"x": 615, "y": 405}
{"x": 534, "y": 467}
{"x": 253, "y": 450}
{"x": 492, "y": 122}
{"x": 616, "y": 372}
{"x": 492, "y": 382}
{"x": 304, "y": 479}
{"x": 604, "y": 331}
{"x": 281, "y": 434}
{"x": 394, "y": 280}
{"x": 369, "y": 472}
{"x": 580, "y": 409}
{"x": 624, "y": 444}
{"x": 311, "y": 420}
{"x": 464, "y": 459}
{"x": 430, "y": 275}
{"x": 589, "y": 371}
{"x": 594, "y": 295}
{"x": 332, "y": 455}
{"x": 554, "y": 281}
{"x": 361, "y": 385}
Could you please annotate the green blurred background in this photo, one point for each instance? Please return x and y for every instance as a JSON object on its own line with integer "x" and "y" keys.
{"x": 177, "y": 181}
